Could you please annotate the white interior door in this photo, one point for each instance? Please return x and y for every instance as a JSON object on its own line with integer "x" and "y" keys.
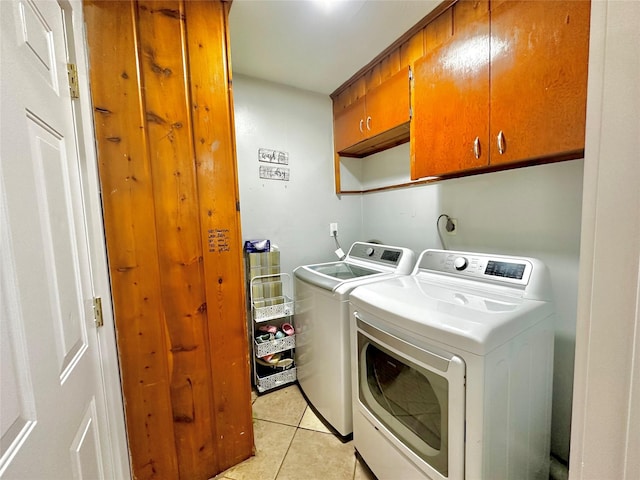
{"x": 54, "y": 416}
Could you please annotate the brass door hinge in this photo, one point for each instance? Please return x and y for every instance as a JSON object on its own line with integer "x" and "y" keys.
{"x": 72, "y": 73}
{"x": 97, "y": 312}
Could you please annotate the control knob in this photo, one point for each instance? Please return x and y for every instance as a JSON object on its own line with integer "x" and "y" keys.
{"x": 460, "y": 263}
{"x": 369, "y": 251}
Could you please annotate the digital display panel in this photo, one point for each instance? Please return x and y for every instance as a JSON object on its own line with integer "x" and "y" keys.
{"x": 390, "y": 256}
{"x": 503, "y": 269}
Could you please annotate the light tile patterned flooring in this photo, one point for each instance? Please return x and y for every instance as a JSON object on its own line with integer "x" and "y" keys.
{"x": 293, "y": 444}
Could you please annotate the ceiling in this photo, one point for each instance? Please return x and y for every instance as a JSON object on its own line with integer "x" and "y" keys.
{"x": 316, "y": 45}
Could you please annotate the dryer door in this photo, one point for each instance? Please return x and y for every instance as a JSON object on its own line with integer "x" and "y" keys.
{"x": 416, "y": 395}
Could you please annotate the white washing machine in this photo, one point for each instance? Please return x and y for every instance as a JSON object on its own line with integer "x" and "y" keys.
{"x": 452, "y": 369}
{"x": 321, "y": 321}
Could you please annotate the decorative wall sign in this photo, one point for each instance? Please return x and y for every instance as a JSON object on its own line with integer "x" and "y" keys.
{"x": 274, "y": 173}
{"x": 273, "y": 156}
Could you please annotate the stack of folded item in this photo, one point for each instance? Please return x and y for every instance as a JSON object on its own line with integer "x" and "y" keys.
{"x": 260, "y": 261}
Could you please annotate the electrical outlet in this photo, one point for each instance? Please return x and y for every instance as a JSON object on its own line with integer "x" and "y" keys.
{"x": 451, "y": 226}
{"x": 333, "y": 227}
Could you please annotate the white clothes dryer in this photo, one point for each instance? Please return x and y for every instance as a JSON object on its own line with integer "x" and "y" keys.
{"x": 321, "y": 321}
{"x": 452, "y": 369}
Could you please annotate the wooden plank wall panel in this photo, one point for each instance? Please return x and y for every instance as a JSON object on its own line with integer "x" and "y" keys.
{"x": 131, "y": 236}
{"x": 220, "y": 224}
{"x": 170, "y": 198}
{"x": 163, "y": 67}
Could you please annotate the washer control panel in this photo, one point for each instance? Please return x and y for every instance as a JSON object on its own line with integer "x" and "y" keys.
{"x": 377, "y": 253}
{"x": 494, "y": 268}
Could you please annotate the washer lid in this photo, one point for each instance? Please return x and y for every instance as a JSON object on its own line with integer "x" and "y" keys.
{"x": 332, "y": 275}
{"x": 342, "y": 270}
{"x": 364, "y": 261}
{"x": 477, "y": 321}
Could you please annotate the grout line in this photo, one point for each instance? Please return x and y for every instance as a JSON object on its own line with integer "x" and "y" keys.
{"x": 302, "y": 416}
{"x": 316, "y": 431}
{"x": 285, "y": 454}
{"x": 273, "y": 421}
{"x": 296, "y": 425}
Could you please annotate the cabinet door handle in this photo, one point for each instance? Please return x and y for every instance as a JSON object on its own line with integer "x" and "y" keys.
{"x": 501, "y": 143}
{"x": 476, "y": 147}
{"x": 361, "y": 123}
{"x": 368, "y": 123}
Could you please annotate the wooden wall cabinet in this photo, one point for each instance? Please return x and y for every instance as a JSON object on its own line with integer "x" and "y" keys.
{"x": 508, "y": 88}
{"x": 378, "y": 120}
{"x": 163, "y": 115}
{"x": 539, "y": 59}
{"x": 383, "y": 87}
{"x": 451, "y": 97}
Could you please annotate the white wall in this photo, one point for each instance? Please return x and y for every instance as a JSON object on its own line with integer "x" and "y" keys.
{"x": 294, "y": 215}
{"x": 531, "y": 211}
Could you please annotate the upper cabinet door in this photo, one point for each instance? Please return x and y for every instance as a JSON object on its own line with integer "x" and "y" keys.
{"x": 376, "y": 121}
{"x": 349, "y": 125}
{"x": 539, "y": 57}
{"x": 451, "y": 97}
{"x": 388, "y": 104}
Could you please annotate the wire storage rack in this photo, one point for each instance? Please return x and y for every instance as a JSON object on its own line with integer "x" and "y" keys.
{"x": 274, "y": 337}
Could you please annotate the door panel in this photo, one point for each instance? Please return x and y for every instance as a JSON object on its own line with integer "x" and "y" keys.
{"x": 37, "y": 38}
{"x": 164, "y": 133}
{"x": 53, "y": 420}
{"x": 348, "y": 126}
{"x": 388, "y": 105}
{"x": 451, "y": 89}
{"x": 539, "y": 59}
{"x": 56, "y": 216}
{"x": 18, "y": 414}
{"x": 85, "y": 448}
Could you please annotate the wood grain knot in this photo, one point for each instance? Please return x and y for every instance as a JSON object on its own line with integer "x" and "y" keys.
{"x": 183, "y": 348}
{"x": 171, "y": 13}
{"x": 155, "y": 118}
{"x": 182, "y": 419}
{"x": 158, "y": 70}
{"x": 126, "y": 268}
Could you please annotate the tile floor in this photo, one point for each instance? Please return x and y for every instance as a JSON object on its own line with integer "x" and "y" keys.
{"x": 293, "y": 444}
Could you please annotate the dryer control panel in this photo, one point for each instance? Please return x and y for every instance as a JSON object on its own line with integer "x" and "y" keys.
{"x": 492, "y": 268}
